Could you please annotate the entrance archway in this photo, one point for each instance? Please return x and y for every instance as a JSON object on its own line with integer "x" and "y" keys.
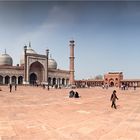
{"x": 49, "y": 80}
{"x": 13, "y": 79}
{"x": 20, "y": 80}
{"x": 33, "y": 78}
{"x": 1, "y": 79}
{"x": 7, "y": 80}
{"x": 54, "y": 81}
{"x": 37, "y": 73}
{"x": 112, "y": 84}
{"x": 63, "y": 81}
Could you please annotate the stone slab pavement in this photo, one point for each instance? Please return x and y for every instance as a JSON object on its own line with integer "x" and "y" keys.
{"x": 33, "y": 113}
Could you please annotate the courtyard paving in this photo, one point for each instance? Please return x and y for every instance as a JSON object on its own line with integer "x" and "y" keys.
{"x": 32, "y": 113}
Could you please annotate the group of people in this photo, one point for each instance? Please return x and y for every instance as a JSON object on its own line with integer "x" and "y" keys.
{"x": 126, "y": 87}
{"x": 73, "y": 94}
{"x": 105, "y": 86}
{"x": 113, "y": 97}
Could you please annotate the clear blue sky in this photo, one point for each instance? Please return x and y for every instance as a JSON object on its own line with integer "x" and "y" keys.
{"x": 106, "y": 34}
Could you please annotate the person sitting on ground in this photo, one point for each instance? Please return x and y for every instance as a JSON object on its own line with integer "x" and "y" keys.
{"x": 76, "y": 95}
{"x": 71, "y": 94}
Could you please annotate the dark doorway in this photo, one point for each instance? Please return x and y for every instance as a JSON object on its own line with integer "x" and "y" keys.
{"x": 49, "y": 80}
{"x": 20, "y": 80}
{"x": 7, "y": 80}
{"x": 13, "y": 79}
{"x": 1, "y": 80}
{"x": 33, "y": 78}
{"x": 54, "y": 81}
{"x": 63, "y": 81}
{"x": 112, "y": 84}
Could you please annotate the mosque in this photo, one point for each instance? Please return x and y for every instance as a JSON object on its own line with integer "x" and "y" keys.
{"x": 36, "y": 68}
{"x": 39, "y": 69}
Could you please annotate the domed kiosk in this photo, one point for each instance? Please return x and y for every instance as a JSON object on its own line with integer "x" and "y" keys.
{"x": 52, "y": 64}
{"x": 28, "y": 50}
{"x": 6, "y": 60}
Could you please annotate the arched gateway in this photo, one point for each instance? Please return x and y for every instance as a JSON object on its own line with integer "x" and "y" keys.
{"x": 36, "y": 73}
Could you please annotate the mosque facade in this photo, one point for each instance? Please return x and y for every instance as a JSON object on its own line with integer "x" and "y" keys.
{"x": 35, "y": 68}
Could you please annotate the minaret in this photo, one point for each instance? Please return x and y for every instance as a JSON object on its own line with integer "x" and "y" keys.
{"x": 72, "y": 82}
{"x": 25, "y": 65}
{"x": 47, "y": 58}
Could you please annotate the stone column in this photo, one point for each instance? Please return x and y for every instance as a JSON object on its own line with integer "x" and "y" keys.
{"x": 51, "y": 81}
{"x": 58, "y": 79}
{"x": 10, "y": 81}
{"x": 56, "y": 82}
{"x": 17, "y": 80}
{"x": 65, "y": 82}
{"x": 72, "y": 82}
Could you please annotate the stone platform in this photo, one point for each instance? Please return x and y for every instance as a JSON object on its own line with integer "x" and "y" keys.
{"x": 32, "y": 113}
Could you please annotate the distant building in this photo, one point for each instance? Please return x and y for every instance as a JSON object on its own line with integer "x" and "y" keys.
{"x": 111, "y": 79}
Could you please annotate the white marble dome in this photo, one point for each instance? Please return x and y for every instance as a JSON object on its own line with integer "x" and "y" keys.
{"x": 52, "y": 64}
{"x": 29, "y": 50}
{"x": 6, "y": 60}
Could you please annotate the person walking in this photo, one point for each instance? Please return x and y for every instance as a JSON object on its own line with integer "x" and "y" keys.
{"x": 113, "y": 99}
{"x": 10, "y": 87}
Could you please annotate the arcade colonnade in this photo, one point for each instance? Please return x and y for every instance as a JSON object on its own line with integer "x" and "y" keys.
{"x": 11, "y": 79}
{"x": 93, "y": 83}
{"x": 88, "y": 83}
{"x": 10, "y": 74}
{"x": 58, "y": 81}
{"x": 7, "y": 79}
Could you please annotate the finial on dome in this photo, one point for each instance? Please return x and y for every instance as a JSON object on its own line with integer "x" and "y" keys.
{"x": 5, "y": 51}
{"x": 25, "y": 46}
{"x": 29, "y": 44}
{"x": 71, "y": 41}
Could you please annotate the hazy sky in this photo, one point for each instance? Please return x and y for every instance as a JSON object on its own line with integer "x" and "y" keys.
{"x": 106, "y": 34}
